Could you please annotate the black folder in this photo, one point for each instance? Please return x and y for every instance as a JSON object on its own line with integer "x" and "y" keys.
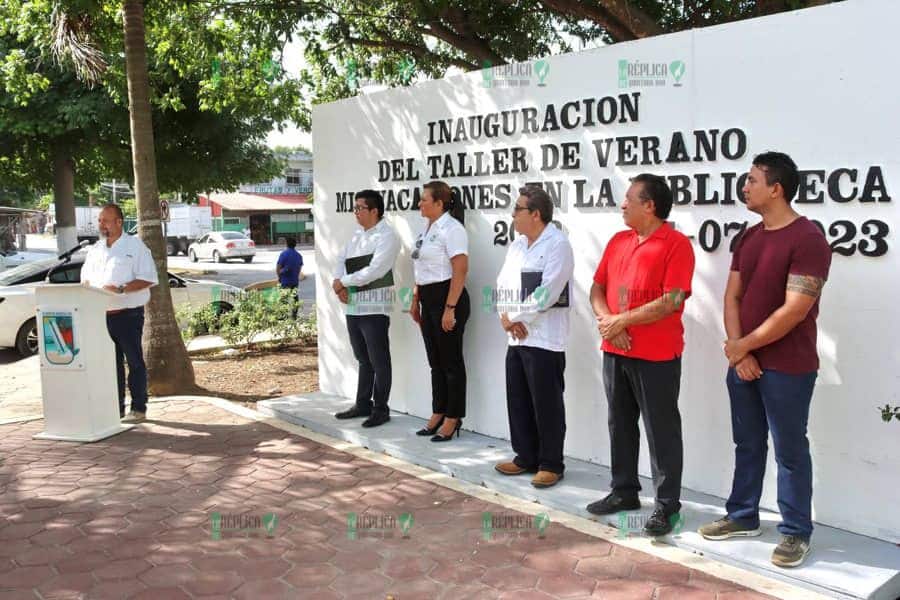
{"x": 531, "y": 280}
{"x": 355, "y": 263}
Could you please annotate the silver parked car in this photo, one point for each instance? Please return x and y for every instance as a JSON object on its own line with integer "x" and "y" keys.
{"x": 222, "y": 245}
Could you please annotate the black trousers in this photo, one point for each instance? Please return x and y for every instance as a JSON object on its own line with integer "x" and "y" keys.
{"x": 634, "y": 388}
{"x": 534, "y": 400}
{"x": 444, "y": 349}
{"x": 371, "y": 348}
{"x": 126, "y": 328}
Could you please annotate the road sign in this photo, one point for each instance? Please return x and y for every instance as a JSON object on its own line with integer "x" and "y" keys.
{"x": 164, "y": 210}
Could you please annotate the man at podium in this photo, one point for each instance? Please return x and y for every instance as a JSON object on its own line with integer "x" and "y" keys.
{"x": 122, "y": 264}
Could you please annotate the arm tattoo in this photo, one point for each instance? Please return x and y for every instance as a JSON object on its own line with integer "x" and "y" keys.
{"x": 805, "y": 284}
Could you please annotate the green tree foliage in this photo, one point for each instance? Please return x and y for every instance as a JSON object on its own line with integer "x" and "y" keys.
{"x": 217, "y": 89}
{"x": 392, "y": 41}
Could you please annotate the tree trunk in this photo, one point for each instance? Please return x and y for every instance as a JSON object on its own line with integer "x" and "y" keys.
{"x": 64, "y": 199}
{"x": 168, "y": 366}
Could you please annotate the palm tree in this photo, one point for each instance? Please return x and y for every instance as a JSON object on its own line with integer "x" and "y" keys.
{"x": 169, "y": 367}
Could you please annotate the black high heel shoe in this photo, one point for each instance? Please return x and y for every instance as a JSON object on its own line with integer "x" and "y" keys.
{"x": 447, "y": 438}
{"x": 425, "y": 431}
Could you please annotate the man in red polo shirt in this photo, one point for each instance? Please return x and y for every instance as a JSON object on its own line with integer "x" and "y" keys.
{"x": 638, "y": 297}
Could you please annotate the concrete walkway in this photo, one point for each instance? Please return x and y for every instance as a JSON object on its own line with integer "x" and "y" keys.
{"x": 842, "y": 564}
{"x": 207, "y": 502}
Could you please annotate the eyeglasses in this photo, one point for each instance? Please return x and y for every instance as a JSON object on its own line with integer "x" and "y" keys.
{"x": 415, "y": 253}
{"x": 357, "y": 208}
{"x": 517, "y": 208}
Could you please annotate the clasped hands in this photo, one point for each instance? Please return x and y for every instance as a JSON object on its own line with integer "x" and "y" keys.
{"x": 517, "y": 330}
{"x": 745, "y": 364}
{"x": 612, "y": 329}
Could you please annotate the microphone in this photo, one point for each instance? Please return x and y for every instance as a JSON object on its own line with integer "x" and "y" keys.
{"x": 68, "y": 253}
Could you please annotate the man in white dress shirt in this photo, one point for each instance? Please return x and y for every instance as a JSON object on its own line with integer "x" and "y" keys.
{"x": 533, "y": 303}
{"x": 364, "y": 282}
{"x": 122, "y": 264}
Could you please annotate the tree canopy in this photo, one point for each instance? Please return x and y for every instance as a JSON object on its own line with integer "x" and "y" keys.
{"x": 217, "y": 90}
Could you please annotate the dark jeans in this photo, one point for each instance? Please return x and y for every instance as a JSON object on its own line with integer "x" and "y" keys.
{"x": 635, "y": 388}
{"x": 779, "y": 403}
{"x": 444, "y": 349}
{"x": 125, "y": 328}
{"x": 371, "y": 348}
{"x": 534, "y": 401}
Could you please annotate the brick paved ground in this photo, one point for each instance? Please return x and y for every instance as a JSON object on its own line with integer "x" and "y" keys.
{"x": 130, "y": 517}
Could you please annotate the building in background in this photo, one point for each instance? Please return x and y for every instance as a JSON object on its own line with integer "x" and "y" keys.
{"x": 270, "y": 211}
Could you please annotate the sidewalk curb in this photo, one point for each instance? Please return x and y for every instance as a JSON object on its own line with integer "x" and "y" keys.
{"x": 24, "y": 419}
{"x": 595, "y": 529}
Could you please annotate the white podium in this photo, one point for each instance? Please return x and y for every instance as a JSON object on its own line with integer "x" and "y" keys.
{"x": 78, "y": 364}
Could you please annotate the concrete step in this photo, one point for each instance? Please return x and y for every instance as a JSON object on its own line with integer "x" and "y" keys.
{"x": 841, "y": 564}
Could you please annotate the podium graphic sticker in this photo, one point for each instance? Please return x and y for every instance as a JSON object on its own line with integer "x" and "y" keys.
{"x": 58, "y": 329}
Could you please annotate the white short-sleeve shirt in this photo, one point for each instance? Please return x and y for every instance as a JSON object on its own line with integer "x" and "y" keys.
{"x": 551, "y": 254}
{"x": 440, "y": 242}
{"x": 126, "y": 260}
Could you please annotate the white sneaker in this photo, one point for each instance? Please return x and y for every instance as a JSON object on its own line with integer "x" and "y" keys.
{"x": 135, "y": 417}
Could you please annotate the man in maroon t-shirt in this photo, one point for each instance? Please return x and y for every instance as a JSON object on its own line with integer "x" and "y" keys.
{"x": 638, "y": 298}
{"x": 771, "y": 302}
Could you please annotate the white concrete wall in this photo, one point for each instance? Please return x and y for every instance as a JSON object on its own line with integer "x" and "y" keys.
{"x": 817, "y": 84}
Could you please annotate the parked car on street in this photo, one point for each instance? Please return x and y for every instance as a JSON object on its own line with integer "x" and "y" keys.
{"x": 15, "y": 258}
{"x": 18, "y": 326}
{"x": 222, "y": 245}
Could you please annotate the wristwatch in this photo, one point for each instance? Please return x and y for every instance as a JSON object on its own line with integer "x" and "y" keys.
{"x": 120, "y": 289}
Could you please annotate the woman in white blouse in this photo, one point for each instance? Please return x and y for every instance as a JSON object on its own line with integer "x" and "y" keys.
{"x": 441, "y": 306}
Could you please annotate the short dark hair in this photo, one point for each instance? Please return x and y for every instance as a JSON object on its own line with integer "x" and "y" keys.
{"x": 116, "y": 209}
{"x": 373, "y": 200}
{"x": 781, "y": 169}
{"x": 655, "y": 188}
{"x": 291, "y": 242}
{"x": 538, "y": 199}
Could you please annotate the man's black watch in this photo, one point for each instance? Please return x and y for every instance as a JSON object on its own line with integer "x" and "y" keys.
{"x": 120, "y": 289}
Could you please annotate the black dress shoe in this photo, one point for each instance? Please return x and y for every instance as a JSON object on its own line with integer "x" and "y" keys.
{"x": 352, "y": 413}
{"x": 613, "y": 504}
{"x": 446, "y": 438}
{"x": 376, "y": 420}
{"x": 660, "y": 523}
{"x": 432, "y": 431}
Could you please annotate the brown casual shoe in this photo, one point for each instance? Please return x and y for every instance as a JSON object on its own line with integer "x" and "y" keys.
{"x": 725, "y": 528}
{"x": 509, "y": 468}
{"x": 790, "y": 552}
{"x": 545, "y": 479}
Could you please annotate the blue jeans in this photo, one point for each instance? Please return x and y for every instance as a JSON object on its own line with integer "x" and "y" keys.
{"x": 125, "y": 328}
{"x": 779, "y": 403}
